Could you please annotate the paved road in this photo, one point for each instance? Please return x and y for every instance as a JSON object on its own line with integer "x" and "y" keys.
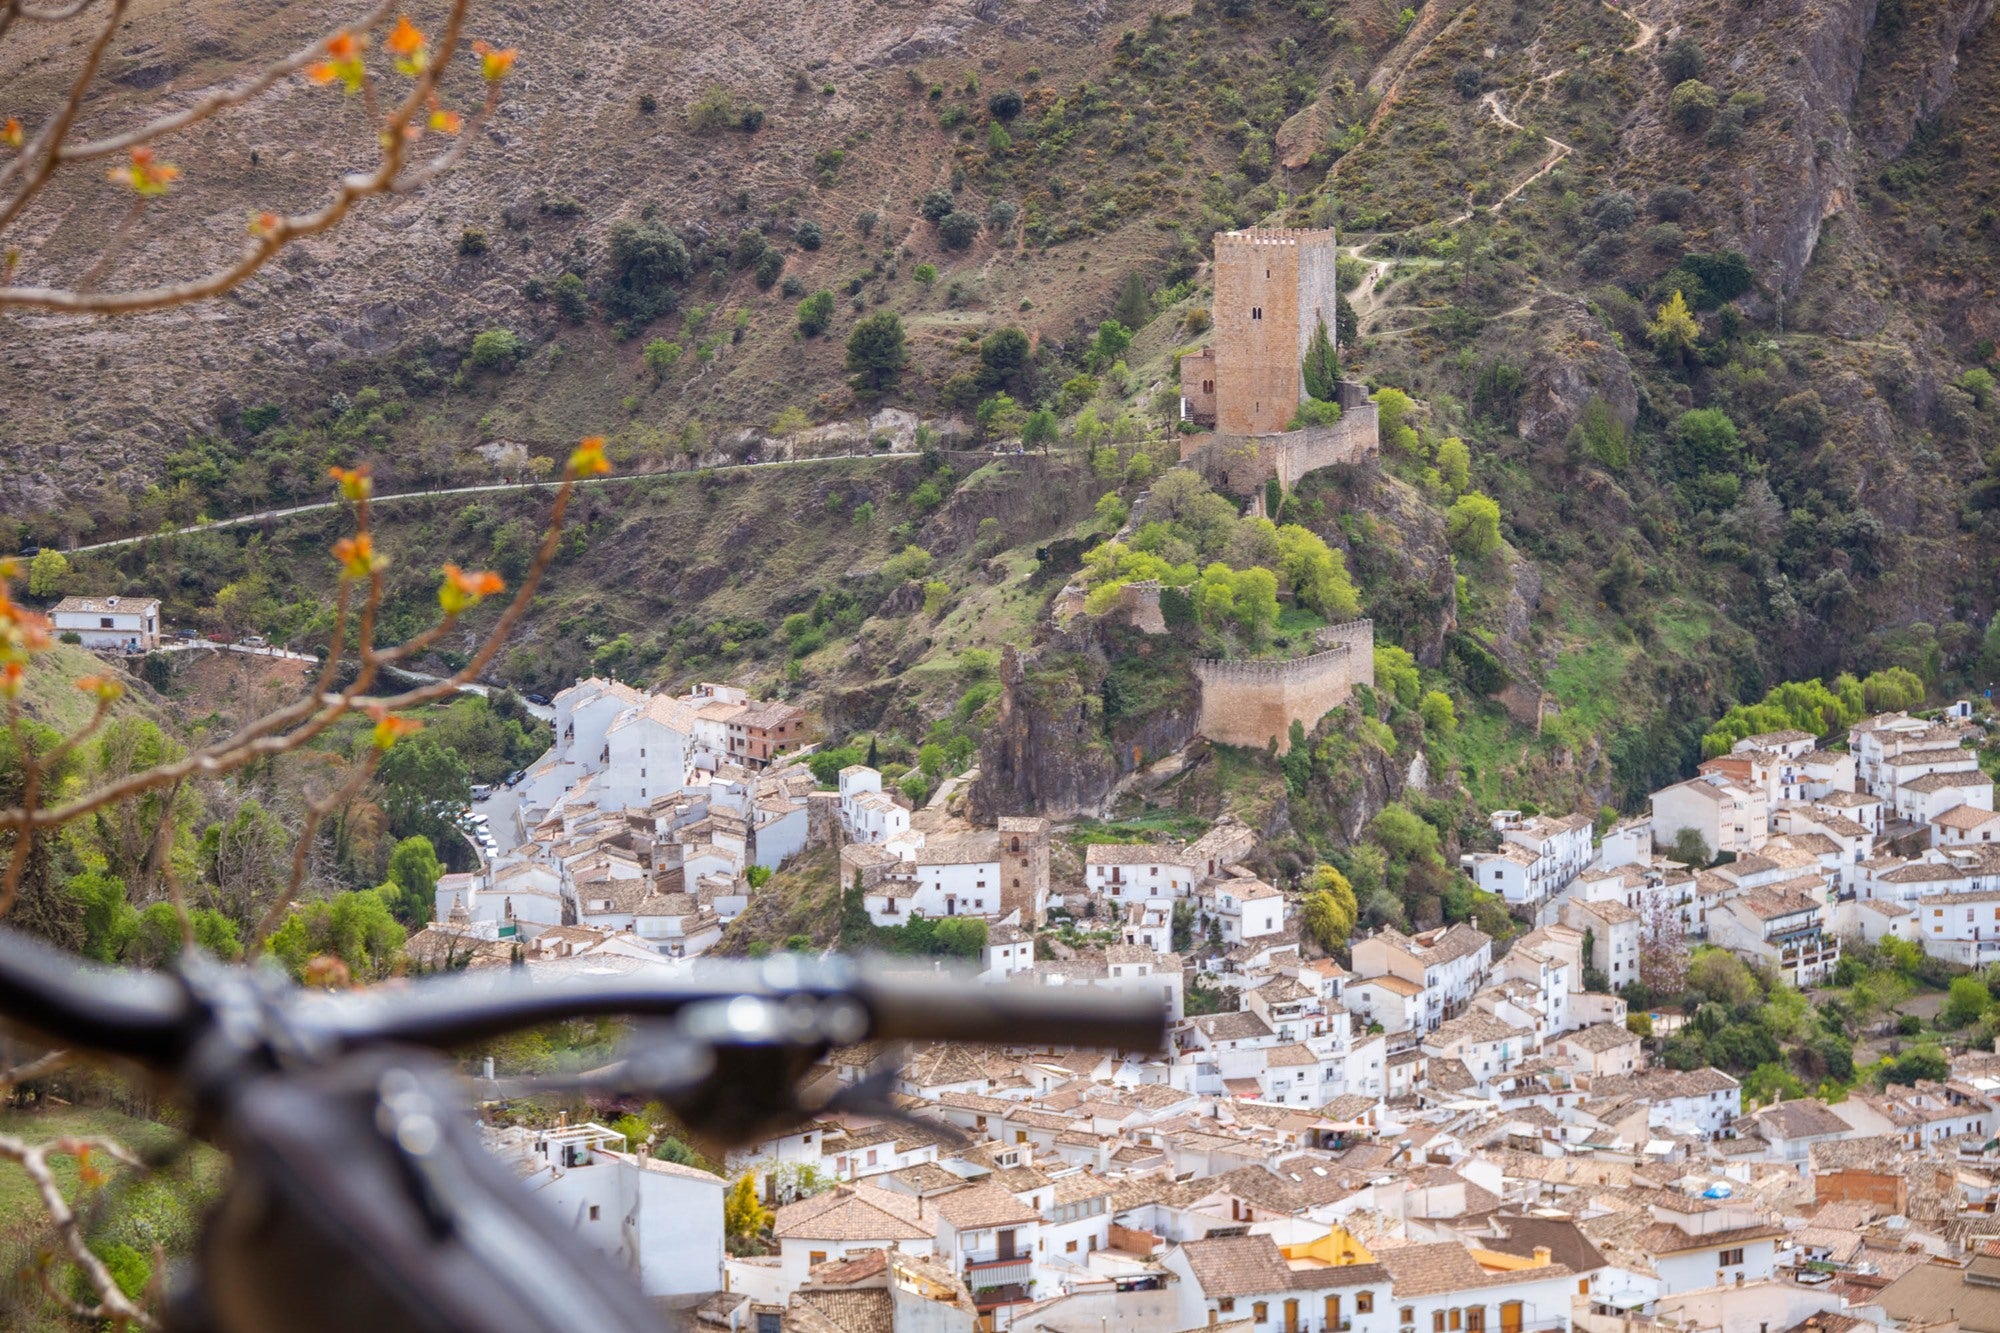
{"x": 266, "y": 515}
{"x": 499, "y": 809}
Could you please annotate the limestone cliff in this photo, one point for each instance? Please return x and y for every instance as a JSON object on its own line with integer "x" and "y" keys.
{"x": 1078, "y": 713}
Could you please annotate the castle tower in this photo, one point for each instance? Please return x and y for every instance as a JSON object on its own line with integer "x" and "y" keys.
{"x": 1273, "y": 287}
{"x": 1024, "y": 867}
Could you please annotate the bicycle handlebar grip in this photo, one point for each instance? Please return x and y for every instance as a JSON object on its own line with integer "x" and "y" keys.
{"x": 139, "y": 1016}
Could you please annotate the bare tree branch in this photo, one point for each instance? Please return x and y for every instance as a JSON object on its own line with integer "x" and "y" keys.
{"x": 40, "y": 1067}
{"x": 112, "y": 1303}
{"x": 395, "y": 131}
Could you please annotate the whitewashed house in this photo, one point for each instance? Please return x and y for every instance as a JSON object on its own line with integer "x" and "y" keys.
{"x": 115, "y": 624}
{"x": 661, "y": 1221}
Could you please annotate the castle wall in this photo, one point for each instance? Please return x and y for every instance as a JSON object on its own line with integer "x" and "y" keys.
{"x": 1273, "y": 286}
{"x": 1198, "y": 385}
{"x": 1254, "y": 703}
{"x": 1243, "y": 463}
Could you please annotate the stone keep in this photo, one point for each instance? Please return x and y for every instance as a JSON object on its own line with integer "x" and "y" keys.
{"x": 1273, "y": 287}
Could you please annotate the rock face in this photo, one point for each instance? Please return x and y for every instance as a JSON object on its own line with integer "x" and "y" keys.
{"x": 1052, "y": 750}
{"x": 1575, "y": 361}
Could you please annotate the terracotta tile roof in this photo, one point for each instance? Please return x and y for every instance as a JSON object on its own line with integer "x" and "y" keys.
{"x": 1432, "y": 1270}
{"x": 869, "y": 1311}
{"x": 854, "y": 1212}
{"x": 1133, "y": 854}
{"x": 977, "y": 1207}
{"x": 1931, "y": 782}
{"x": 1237, "y": 1266}
{"x": 1666, "y": 1238}
{"x": 1601, "y": 1037}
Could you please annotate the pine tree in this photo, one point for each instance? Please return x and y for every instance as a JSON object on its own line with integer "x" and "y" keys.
{"x": 874, "y": 753}
{"x": 1135, "y": 308}
{"x": 1321, "y": 367}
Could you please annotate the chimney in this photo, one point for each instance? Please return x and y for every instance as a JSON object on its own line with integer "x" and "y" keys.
{"x": 1542, "y": 1256}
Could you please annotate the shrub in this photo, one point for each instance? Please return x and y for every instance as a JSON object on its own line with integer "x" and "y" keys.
{"x": 1680, "y": 61}
{"x": 1613, "y": 210}
{"x": 1707, "y": 442}
{"x": 715, "y": 109}
{"x": 769, "y": 265}
{"x": 912, "y": 562}
{"x": 1005, "y": 104}
{"x": 791, "y": 286}
{"x": 750, "y": 247}
{"x": 1466, "y": 79}
{"x": 472, "y": 242}
{"x": 1979, "y": 383}
{"x": 570, "y": 298}
{"x": 1663, "y": 238}
{"x": 1001, "y": 215}
{"x": 1440, "y": 718}
{"x": 495, "y": 349}
{"x": 750, "y": 119}
{"x": 647, "y": 262}
{"x": 661, "y": 355}
{"x": 926, "y": 274}
{"x": 958, "y": 229}
{"x": 865, "y": 221}
{"x": 648, "y": 104}
{"x": 1314, "y": 412}
{"x": 936, "y": 204}
{"x": 875, "y": 351}
{"x": 1671, "y": 202}
{"x": 1472, "y": 525}
{"x": 816, "y": 313}
{"x": 808, "y": 235}
{"x": 1692, "y": 106}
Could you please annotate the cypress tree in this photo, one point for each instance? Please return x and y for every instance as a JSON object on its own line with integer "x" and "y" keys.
{"x": 1135, "y": 308}
{"x": 1321, "y": 367}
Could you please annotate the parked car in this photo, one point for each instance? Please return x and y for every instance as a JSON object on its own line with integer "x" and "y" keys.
{"x": 480, "y": 791}
{"x": 185, "y": 633}
{"x": 539, "y": 700}
{"x": 514, "y": 778}
{"x": 31, "y": 550}
{"x": 252, "y": 641}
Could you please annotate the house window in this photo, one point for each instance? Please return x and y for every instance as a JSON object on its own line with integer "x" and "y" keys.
{"x": 1256, "y": 312}
{"x": 1259, "y": 1312}
{"x": 1069, "y": 1247}
{"x": 1364, "y": 1302}
{"x": 1226, "y": 1304}
{"x": 1409, "y": 1314}
{"x": 815, "y": 1258}
{"x": 1437, "y": 1321}
{"x": 1731, "y": 1258}
{"x": 593, "y": 1212}
{"x": 1457, "y": 1318}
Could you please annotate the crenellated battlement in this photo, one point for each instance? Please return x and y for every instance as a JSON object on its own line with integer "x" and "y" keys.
{"x": 1255, "y": 703}
{"x": 1296, "y": 668}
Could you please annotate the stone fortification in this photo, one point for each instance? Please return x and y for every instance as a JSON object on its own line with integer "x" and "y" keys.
{"x": 1243, "y": 463}
{"x": 1254, "y": 703}
{"x": 1273, "y": 287}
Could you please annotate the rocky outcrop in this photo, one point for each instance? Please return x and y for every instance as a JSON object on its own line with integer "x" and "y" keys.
{"x": 1068, "y": 732}
{"x": 1575, "y": 361}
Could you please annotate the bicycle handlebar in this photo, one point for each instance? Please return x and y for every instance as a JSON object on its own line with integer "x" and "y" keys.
{"x": 153, "y": 1020}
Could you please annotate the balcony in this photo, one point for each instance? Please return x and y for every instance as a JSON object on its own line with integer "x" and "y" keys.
{"x": 982, "y": 1273}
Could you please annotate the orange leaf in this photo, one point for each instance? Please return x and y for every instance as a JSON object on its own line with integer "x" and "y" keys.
{"x": 589, "y": 459}
{"x": 463, "y": 590}
{"x": 405, "y": 40}
{"x": 357, "y": 556}
{"x": 445, "y": 122}
{"x": 10, "y": 133}
{"x": 105, "y": 688}
{"x": 494, "y": 64}
{"x": 355, "y": 482}
{"x": 390, "y": 728}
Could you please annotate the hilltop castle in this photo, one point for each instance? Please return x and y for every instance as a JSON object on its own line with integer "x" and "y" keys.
{"x": 1274, "y": 288}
